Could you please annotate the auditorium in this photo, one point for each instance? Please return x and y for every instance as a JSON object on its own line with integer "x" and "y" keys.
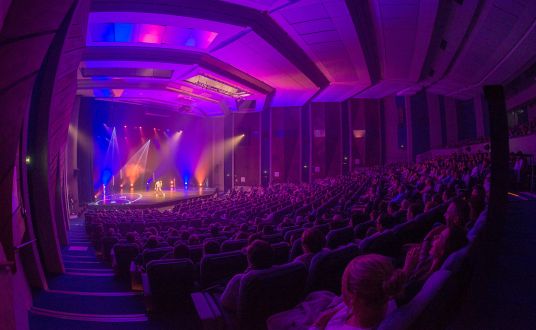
{"x": 267, "y": 164}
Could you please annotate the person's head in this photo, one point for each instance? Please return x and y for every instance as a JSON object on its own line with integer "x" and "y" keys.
{"x": 185, "y": 235}
{"x": 253, "y": 237}
{"x": 405, "y": 205}
{"x": 392, "y": 208}
{"x": 260, "y": 255}
{"x": 152, "y": 242}
{"x": 214, "y": 229}
{"x": 457, "y": 213}
{"x": 244, "y": 227}
{"x": 384, "y": 221}
{"x": 111, "y": 232}
{"x": 193, "y": 240}
{"x": 368, "y": 282}
{"x": 313, "y": 240}
{"x": 211, "y": 247}
{"x": 412, "y": 212}
{"x": 449, "y": 240}
{"x": 181, "y": 251}
{"x": 131, "y": 237}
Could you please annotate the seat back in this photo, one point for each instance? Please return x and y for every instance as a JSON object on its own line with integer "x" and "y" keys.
{"x": 266, "y": 292}
{"x": 154, "y": 254}
{"x": 272, "y": 238}
{"x": 124, "y": 255}
{"x": 338, "y": 237}
{"x": 296, "y": 250}
{"x": 196, "y": 252}
{"x": 325, "y": 271}
{"x": 217, "y": 268}
{"x": 171, "y": 277}
{"x": 384, "y": 243}
{"x": 288, "y": 235}
{"x": 409, "y": 315}
{"x": 107, "y": 245}
{"x": 281, "y": 253}
{"x": 233, "y": 245}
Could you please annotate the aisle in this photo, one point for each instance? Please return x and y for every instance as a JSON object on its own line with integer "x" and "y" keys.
{"x": 88, "y": 295}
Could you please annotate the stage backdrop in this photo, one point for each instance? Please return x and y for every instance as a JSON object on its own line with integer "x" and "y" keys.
{"x": 131, "y": 146}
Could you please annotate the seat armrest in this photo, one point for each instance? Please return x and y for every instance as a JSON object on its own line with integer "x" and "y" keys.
{"x": 208, "y": 311}
{"x": 145, "y": 284}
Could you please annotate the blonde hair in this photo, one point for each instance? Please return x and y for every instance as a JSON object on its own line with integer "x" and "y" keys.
{"x": 368, "y": 282}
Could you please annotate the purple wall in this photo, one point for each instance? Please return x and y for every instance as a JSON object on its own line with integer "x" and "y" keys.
{"x": 247, "y": 152}
{"x": 286, "y": 144}
{"x": 326, "y": 139}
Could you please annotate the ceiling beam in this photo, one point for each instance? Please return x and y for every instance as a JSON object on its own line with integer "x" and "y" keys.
{"x": 260, "y": 22}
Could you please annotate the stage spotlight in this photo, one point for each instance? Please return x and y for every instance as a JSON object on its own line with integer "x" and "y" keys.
{"x": 28, "y": 160}
{"x": 125, "y": 126}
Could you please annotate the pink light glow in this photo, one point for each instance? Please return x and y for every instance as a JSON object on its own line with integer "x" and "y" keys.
{"x": 150, "y": 33}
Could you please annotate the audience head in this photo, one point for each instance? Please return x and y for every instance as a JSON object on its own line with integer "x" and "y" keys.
{"x": 457, "y": 213}
{"x": 313, "y": 240}
{"x": 131, "y": 237}
{"x": 368, "y": 282}
{"x": 260, "y": 255}
{"x": 181, "y": 251}
{"x": 211, "y": 247}
{"x": 152, "y": 242}
{"x": 194, "y": 240}
{"x": 449, "y": 240}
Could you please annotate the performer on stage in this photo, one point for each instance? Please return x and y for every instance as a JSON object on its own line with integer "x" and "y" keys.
{"x": 158, "y": 189}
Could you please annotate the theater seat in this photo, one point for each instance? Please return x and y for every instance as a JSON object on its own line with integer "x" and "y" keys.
{"x": 107, "y": 245}
{"x": 266, "y": 292}
{"x": 262, "y": 293}
{"x": 338, "y": 237}
{"x": 410, "y": 315}
{"x": 281, "y": 252}
{"x": 218, "y": 268}
{"x": 384, "y": 243}
{"x": 154, "y": 254}
{"x": 296, "y": 250}
{"x": 196, "y": 252}
{"x": 288, "y": 235}
{"x": 325, "y": 271}
{"x": 169, "y": 279}
{"x": 455, "y": 261}
{"x": 233, "y": 245}
{"x": 124, "y": 254}
{"x": 272, "y": 238}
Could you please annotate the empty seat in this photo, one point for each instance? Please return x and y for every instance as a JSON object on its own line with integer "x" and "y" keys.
{"x": 124, "y": 254}
{"x": 338, "y": 237}
{"x": 233, "y": 245}
{"x": 281, "y": 252}
{"x": 170, "y": 278}
{"x": 154, "y": 254}
{"x": 218, "y": 268}
{"x": 325, "y": 271}
{"x": 266, "y": 292}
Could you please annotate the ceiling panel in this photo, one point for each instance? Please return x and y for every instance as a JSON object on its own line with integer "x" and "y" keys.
{"x": 325, "y": 30}
{"x": 253, "y": 55}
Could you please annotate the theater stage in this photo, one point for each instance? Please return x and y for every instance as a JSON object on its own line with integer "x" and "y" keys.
{"x": 145, "y": 199}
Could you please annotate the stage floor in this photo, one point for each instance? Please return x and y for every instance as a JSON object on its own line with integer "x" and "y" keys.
{"x": 149, "y": 198}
